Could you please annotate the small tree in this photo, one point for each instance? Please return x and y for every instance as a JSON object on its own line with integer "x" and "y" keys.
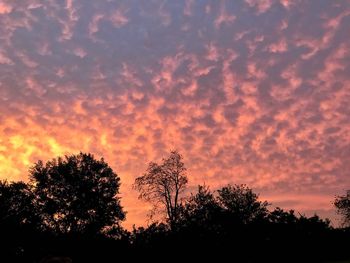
{"x": 163, "y": 184}
{"x": 77, "y": 194}
{"x": 342, "y": 204}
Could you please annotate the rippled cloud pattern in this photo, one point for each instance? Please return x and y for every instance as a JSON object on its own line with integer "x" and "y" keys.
{"x": 253, "y": 91}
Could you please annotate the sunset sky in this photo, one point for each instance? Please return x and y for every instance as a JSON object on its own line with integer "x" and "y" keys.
{"x": 254, "y": 91}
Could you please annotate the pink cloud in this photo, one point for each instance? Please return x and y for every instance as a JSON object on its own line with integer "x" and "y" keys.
{"x": 287, "y": 3}
{"x": 5, "y": 8}
{"x": 279, "y": 47}
{"x": 261, "y": 5}
{"x": 212, "y": 52}
{"x": 79, "y": 52}
{"x": 4, "y": 59}
{"x": 93, "y": 25}
{"x": 119, "y": 18}
{"x": 188, "y": 9}
{"x": 224, "y": 17}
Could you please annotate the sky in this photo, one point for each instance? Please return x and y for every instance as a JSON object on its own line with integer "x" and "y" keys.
{"x": 248, "y": 91}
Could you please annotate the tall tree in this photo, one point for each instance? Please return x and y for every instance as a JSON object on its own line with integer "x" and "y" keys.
{"x": 77, "y": 194}
{"x": 162, "y": 185}
{"x": 342, "y": 204}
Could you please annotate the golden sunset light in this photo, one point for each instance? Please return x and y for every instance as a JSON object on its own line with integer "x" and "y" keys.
{"x": 249, "y": 92}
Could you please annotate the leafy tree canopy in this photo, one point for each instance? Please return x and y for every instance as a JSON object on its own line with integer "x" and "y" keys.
{"x": 77, "y": 194}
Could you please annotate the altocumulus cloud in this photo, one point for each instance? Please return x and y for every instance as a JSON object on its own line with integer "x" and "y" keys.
{"x": 252, "y": 92}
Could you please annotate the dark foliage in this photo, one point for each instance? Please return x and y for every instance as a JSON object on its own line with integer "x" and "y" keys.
{"x": 76, "y": 194}
{"x": 19, "y": 221}
{"x": 69, "y": 209}
{"x": 233, "y": 224}
{"x": 70, "y": 212}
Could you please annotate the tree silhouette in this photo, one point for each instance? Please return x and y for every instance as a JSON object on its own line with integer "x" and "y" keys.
{"x": 70, "y": 212}
{"x": 17, "y": 205}
{"x": 242, "y": 203}
{"x": 342, "y": 203}
{"x": 162, "y": 185}
{"x": 77, "y": 194}
{"x": 201, "y": 208}
{"x": 232, "y": 205}
{"x": 19, "y": 222}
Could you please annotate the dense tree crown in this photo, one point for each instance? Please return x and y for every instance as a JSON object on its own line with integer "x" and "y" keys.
{"x": 242, "y": 203}
{"x": 232, "y": 204}
{"x": 77, "y": 194}
{"x": 163, "y": 184}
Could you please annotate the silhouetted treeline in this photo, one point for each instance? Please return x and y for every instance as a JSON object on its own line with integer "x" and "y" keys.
{"x": 236, "y": 226}
{"x": 69, "y": 211}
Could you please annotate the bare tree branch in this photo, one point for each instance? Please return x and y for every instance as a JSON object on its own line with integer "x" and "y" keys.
{"x": 163, "y": 183}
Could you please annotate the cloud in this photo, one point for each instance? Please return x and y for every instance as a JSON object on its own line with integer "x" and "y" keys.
{"x": 279, "y": 47}
{"x": 224, "y": 17}
{"x": 249, "y": 92}
{"x": 119, "y": 18}
{"x": 4, "y": 59}
{"x": 93, "y": 25}
{"x": 188, "y": 9}
{"x": 5, "y": 8}
{"x": 261, "y": 5}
